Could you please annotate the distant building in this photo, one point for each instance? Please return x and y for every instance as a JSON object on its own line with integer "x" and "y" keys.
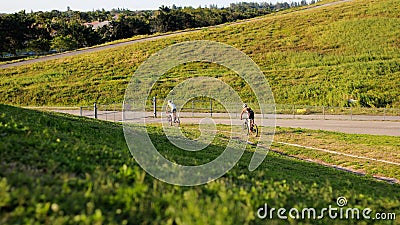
{"x": 97, "y": 24}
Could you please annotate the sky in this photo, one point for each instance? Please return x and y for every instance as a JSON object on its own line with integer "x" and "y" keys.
{"x": 7, "y": 6}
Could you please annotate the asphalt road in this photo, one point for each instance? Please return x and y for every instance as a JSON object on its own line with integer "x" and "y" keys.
{"x": 375, "y": 127}
{"x": 346, "y": 126}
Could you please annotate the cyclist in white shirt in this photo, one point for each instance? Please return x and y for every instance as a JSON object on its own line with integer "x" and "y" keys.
{"x": 172, "y": 110}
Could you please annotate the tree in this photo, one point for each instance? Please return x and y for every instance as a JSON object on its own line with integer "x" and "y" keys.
{"x": 129, "y": 26}
{"x": 63, "y": 43}
{"x": 14, "y": 32}
{"x": 39, "y": 45}
{"x": 160, "y": 21}
{"x": 84, "y": 36}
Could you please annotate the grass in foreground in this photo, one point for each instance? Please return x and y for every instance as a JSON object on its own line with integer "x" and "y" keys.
{"x": 322, "y": 56}
{"x": 61, "y": 169}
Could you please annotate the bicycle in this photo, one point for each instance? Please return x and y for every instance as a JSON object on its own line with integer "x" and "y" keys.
{"x": 247, "y": 130}
{"x": 171, "y": 122}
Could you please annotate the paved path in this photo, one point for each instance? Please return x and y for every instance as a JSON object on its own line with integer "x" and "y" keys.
{"x": 390, "y": 128}
{"x": 346, "y": 126}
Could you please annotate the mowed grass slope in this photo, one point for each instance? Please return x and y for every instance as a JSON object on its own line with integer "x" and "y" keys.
{"x": 61, "y": 169}
{"x": 319, "y": 56}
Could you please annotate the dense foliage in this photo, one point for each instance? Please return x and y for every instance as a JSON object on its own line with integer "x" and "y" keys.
{"x": 59, "y": 31}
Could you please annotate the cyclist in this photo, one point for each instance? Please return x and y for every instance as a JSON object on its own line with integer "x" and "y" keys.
{"x": 250, "y": 113}
{"x": 172, "y": 110}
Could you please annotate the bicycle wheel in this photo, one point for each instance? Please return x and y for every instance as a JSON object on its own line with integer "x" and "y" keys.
{"x": 255, "y": 130}
{"x": 170, "y": 120}
{"x": 245, "y": 127}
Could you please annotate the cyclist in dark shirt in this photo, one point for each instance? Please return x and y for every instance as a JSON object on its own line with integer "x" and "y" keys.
{"x": 250, "y": 113}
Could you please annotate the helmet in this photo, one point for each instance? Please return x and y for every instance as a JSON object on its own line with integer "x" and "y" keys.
{"x": 244, "y": 105}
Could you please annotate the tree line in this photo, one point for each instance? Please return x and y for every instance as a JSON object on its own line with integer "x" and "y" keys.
{"x": 44, "y": 32}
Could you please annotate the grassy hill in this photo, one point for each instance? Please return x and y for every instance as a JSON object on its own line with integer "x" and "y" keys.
{"x": 320, "y": 56}
{"x": 61, "y": 169}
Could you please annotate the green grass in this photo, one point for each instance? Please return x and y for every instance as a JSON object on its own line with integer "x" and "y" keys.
{"x": 320, "y": 56}
{"x": 370, "y": 146}
{"x": 62, "y": 169}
